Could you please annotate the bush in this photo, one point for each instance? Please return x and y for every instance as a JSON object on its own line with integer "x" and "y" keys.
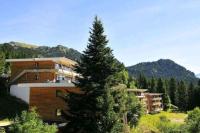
{"x": 193, "y": 121}
{"x": 29, "y": 122}
{"x": 2, "y": 130}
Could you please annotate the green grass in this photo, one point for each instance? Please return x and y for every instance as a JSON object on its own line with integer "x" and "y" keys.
{"x": 149, "y": 123}
{"x": 10, "y": 107}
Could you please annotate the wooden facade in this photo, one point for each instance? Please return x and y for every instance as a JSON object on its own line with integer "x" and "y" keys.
{"x": 154, "y": 102}
{"x": 43, "y": 72}
{"x": 151, "y": 101}
{"x": 47, "y": 101}
{"x": 18, "y": 67}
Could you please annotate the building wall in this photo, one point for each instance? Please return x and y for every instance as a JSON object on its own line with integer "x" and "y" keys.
{"x": 21, "y": 92}
{"x": 151, "y": 101}
{"x": 18, "y": 67}
{"x": 47, "y": 102}
{"x": 31, "y": 77}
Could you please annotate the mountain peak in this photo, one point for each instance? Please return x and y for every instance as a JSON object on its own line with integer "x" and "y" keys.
{"x": 163, "y": 68}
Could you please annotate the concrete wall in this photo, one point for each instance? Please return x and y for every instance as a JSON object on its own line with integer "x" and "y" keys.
{"x": 22, "y": 92}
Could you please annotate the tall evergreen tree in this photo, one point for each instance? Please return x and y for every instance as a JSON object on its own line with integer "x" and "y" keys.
{"x": 93, "y": 111}
{"x": 152, "y": 87}
{"x": 160, "y": 86}
{"x": 182, "y": 97}
{"x": 196, "y": 94}
{"x": 2, "y": 63}
{"x": 142, "y": 82}
{"x": 166, "y": 100}
{"x": 191, "y": 98}
{"x": 172, "y": 90}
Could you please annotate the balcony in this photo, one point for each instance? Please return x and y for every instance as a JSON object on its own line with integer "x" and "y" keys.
{"x": 157, "y": 98}
{"x": 156, "y": 103}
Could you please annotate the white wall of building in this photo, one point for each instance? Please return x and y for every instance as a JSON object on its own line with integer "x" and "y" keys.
{"x": 22, "y": 92}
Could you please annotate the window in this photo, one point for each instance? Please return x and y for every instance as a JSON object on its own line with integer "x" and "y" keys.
{"x": 58, "y": 112}
{"x": 37, "y": 77}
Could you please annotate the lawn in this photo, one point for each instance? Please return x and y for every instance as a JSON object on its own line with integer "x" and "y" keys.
{"x": 149, "y": 123}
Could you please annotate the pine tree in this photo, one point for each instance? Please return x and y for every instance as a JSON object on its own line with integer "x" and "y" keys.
{"x": 93, "y": 111}
{"x": 172, "y": 90}
{"x": 160, "y": 86}
{"x": 152, "y": 87}
{"x": 183, "y": 96}
{"x": 166, "y": 100}
{"x": 191, "y": 98}
{"x": 196, "y": 94}
{"x": 2, "y": 63}
{"x": 142, "y": 82}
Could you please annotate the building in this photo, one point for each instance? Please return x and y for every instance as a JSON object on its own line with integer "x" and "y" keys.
{"x": 140, "y": 94}
{"x": 38, "y": 82}
{"x": 154, "y": 102}
{"x": 151, "y": 101}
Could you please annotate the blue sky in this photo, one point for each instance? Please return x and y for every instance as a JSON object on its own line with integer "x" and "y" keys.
{"x": 138, "y": 30}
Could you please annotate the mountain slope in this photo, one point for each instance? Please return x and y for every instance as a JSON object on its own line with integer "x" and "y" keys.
{"x": 23, "y": 50}
{"x": 163, "y": 68}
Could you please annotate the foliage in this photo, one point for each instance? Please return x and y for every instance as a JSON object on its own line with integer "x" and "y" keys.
{"x": 101, "y": 107}
{"x": 152, "y": 87}
{"x": 193, "y": 121}
{"x": 131, "y": 83}
{"x": 172, "y": 90}
{"x": 182, "y": 96}
{"x": 29, "y": 122}
{"x": 135, "y": 109}
{"x": 2, "y": 63}
{"x": 2, "y": 130}
{"x": 166, "y": 101}
{"x": 142, "y": 82}
{"x": 191, "y": 97}
{"x": 160, "y": 86}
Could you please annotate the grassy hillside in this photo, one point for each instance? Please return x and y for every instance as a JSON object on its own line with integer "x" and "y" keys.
{"x": 149, "y": 123}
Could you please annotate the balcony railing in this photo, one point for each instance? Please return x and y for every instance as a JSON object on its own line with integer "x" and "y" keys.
{"x": 157, "y": 98}
{"x": 157, "y": 103}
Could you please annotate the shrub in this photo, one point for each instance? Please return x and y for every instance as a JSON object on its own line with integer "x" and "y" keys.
{"x": 193, "y": 121}
{"x": 29, "y": 122}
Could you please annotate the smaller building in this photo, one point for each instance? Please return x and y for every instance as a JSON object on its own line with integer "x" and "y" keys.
{"x": 154, "y": 102}
{"x": 151, "y": 101}
{"x": 140, "y": 94}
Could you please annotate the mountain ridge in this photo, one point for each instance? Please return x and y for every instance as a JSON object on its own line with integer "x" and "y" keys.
{"x": 162, "y": 68}
{"x": 25, "y": 50}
